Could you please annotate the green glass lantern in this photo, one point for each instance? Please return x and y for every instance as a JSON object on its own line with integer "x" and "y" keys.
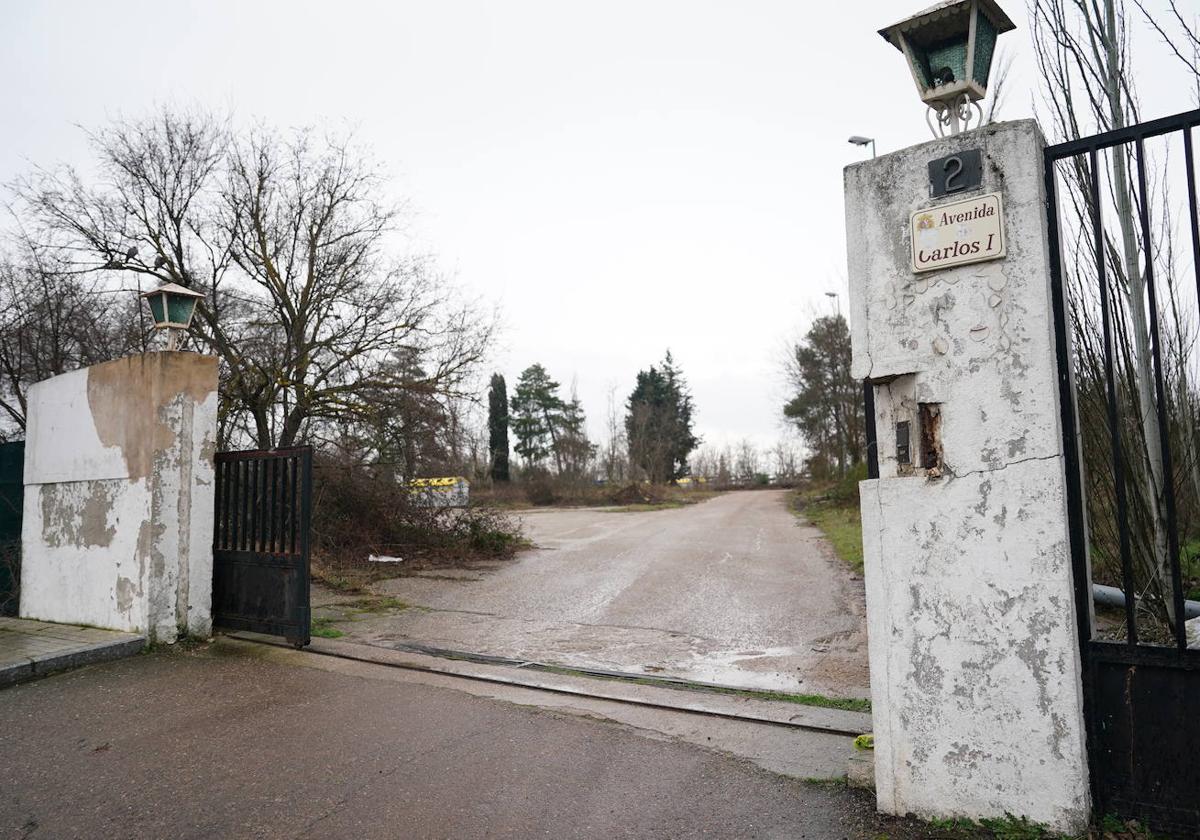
{"x": 949, "y": 49}
{"x": 172, "y": 307}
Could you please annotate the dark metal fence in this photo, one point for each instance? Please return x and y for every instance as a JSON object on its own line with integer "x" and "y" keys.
{"x": 12, "y": 471}
{"x": 261, "y": 542}
{"x": 1125, "y": 308}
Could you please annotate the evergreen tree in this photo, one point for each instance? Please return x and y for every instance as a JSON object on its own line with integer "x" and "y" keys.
{"x": 498, "y": 427}
{"x": 572, "y": 445}
{"x": 545, "y": 425}
{"x": 535, "y": 410}
{"x": 658, "y": 422}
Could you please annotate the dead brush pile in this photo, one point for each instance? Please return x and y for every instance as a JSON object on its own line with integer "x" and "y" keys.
{"x": 359, "y": 512}
{"x": 635, "y": 494}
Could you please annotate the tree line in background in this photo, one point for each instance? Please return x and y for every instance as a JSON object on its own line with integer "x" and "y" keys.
{"x": 647, "y": 437}
{"x": 329, "y": 328}
{"x": 550, "y": 436}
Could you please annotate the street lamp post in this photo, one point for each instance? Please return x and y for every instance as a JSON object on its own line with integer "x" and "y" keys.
{"x": 859, "y": 140}
{"x": 837, "y": 301}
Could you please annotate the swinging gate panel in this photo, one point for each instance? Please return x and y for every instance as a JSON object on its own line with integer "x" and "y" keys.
{"x": 1141, "y": 689}
{"x": 261, "y": 542}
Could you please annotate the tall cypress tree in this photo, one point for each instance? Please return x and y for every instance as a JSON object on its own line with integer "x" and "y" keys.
{"x": 498, "y": 427}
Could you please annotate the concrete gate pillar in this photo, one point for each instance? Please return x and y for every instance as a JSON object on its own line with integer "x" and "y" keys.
{"x": 118, "y": 511}
{"x": 975, "y": 670}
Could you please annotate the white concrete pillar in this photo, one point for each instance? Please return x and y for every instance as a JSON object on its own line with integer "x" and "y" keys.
{"x": 975, "y": 670}
{"x": 118, "y": 515}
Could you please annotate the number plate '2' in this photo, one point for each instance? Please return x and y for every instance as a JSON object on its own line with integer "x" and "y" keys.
{"x": 956, "y": 173}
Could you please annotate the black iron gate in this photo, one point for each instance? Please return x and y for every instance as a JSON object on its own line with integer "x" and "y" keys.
{"x": 12, "y": 471}
{"x": 1124, "y": 282}
{"x": 261, "y": 542}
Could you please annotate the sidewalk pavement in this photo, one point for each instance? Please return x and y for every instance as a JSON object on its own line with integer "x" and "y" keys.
{"x": 240, "y": 740}
{"x": 31, "y": 649}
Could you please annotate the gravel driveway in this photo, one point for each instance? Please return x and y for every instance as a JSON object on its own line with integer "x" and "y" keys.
{"x": 735, "y": 590}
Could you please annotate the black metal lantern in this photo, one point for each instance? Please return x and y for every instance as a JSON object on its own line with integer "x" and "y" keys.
{"x": 172, "y": 307}
{"x": 949, "y": 48}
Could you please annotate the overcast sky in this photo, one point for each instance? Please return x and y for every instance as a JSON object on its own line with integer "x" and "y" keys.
{"x": 622, "y": 177}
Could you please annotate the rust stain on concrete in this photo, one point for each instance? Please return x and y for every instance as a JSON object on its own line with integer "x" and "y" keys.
{"x": 151, "y": 381}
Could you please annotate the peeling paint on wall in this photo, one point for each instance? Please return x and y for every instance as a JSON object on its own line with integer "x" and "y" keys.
{"x": 79, "y": 514}
{"x": 975, "y": 672}
{"x": 122, "y": 542}
{"x": 149, "y": 381}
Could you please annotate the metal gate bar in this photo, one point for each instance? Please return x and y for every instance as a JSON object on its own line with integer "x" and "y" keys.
{"x": 1142, "y": 700}
{"x": 261, "y": 542}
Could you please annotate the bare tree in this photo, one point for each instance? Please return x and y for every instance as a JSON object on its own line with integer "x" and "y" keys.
{"x": 614, "y": 459}
{"x": 746, "y": 467}
{"x": 1182, "y": 38}
{"x": 786, "y": 458}
{"x": 1082, "y": 51}
{"x": 52, "y": 322}
{"x": 308, "y": 301}
{"x": 705, "y": 462}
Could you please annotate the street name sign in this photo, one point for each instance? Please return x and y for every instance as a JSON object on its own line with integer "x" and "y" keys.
{"x": 962, "y": 232}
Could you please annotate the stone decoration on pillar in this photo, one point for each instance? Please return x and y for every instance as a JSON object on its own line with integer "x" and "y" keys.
{"x": 975, "y": 669}
{"x": 118, "y": 514}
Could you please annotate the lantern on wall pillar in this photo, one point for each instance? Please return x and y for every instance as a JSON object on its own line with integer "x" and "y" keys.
{"x": 172, "y": 307}
{"x": 949, "y": 48}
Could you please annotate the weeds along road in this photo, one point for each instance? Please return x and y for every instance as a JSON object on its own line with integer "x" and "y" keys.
{"x": 736, "y": 590}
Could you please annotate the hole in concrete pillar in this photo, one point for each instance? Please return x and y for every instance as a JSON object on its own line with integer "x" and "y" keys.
{"x": 903, "y": 458}
{"x": 931, "y": 435}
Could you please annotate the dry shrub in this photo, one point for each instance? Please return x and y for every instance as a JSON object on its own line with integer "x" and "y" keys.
{"x": 540, "y": 491}
{"x": 544, "y": 490}
{"x": 359, "y": 511}
{"x": 634, "y": 494}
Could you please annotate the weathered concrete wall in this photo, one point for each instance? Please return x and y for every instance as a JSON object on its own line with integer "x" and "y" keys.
{"x": 119, "y": 493}
{"x": 975, "y": 673}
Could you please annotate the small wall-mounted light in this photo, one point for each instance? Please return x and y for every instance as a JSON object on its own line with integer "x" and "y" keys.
{"x": 172, "y": 307}
{"x": 949, "y": 49}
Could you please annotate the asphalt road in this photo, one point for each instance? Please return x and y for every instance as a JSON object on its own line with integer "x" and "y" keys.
{"x": 253, "y": 742}
{"x": 736, "y": 590}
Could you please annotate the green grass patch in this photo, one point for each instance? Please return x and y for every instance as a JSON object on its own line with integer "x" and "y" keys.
{"x": 842, "y": 527}
{"x": 1189, "y": 556}
{"x": 323, "y": 627}
{"x": 374, "y": 604}
{"x": 833, "y": 510}
{"x": 848, "y": 704}
{"x": 1002, "y": 828}
{"x": 837, "y": 783}
{"x": 1113, "y": 827}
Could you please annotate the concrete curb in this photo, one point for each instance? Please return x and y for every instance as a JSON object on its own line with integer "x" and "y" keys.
{"x": 777, "y": 713}
{"x": 87, "y": 654}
